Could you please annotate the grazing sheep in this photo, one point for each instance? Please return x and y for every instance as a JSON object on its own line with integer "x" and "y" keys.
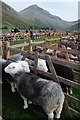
{"x": 45, "y": 93}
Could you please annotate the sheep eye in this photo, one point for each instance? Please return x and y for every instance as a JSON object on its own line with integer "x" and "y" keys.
{"x": 13, "y": 67}
{"x": 41, "y": 65}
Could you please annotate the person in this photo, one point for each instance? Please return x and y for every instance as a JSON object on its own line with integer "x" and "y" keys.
{"x": 31, "y": 34}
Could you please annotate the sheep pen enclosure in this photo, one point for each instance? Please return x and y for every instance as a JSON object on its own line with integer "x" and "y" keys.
{"x": 72, "y": 103}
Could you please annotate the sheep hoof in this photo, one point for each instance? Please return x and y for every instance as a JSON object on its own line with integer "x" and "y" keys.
{"x": 25, "y": 106}
{"x": 57, "y": 116}
{"x": 29, "y": 102}
{"x": 13, "y": 90}
{"x": 71, "y": 92}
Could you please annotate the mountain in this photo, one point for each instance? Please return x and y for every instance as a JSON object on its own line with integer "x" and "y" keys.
{"x": 41, "y": 17}
{"x": 75, "y": 27}
{"x": 32, "y": 16}
{"x": 11, "y": 17}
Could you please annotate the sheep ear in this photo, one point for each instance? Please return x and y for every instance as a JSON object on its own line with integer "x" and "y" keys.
{"x": 26, "y": 69}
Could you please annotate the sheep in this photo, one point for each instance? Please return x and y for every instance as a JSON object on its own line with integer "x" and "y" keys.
{"x": 60, "y": 55}
{"x": 8, "y": 77}
{"x": 41, "y": 63}
{"x": 43, "y": 92}
{"x": 18, "y": 57}
{"x": 63, "y": 71}
{"x": 73, "y": 57}
{"x": 5, "y": 76}
{"x": 38, "y": 49}
{"x": 1, "y": 118}
{"x": 49, "y": 51}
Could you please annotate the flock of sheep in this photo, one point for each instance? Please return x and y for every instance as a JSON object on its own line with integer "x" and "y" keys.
{"x": 35, "y": 89}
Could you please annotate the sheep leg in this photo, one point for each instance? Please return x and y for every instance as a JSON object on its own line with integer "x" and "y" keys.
{"x": 58, "y": 111}
{"x": 25, "y": 102}
{"x": 50, "y": 116}
{"x": 12, "y": 87}
{"x": 70, "y": 90}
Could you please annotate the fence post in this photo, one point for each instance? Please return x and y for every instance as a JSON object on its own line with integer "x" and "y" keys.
{"x": 66, "y": 53}
{"x": 45, "y": 44}
{"x": 55, "y": 50}
{"x": 8, "y": 51}
{"x": 35, "y": 62}
{"x": 0, "y": 48}
{"x": 30, "y": 45}
{"x": 5, "y": 53}
{"x": 52, "y": 69}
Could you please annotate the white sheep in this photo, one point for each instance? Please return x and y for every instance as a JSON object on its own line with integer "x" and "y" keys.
{"x": 45, "y": 93}
{"x": 49, "y": 51}
{"x": 41, "y": 64}
{"x": 5, "y": 76}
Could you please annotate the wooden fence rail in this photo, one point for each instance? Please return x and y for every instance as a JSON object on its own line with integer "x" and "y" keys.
{"x": 45, "y": 46}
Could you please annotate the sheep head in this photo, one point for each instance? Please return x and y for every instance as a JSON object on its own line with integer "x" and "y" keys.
{"x": 13, "y": 68}
{"x": 42, "y": 65}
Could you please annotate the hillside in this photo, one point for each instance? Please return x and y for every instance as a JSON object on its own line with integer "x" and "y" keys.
{"x": 75, "y": 27}
{"x": 11, "y": 17}
{"x": 41, "y": 17}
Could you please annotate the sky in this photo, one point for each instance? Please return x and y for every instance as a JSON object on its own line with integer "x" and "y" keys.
{"x": 65, "y": 9}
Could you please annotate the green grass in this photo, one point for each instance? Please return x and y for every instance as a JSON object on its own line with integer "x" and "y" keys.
{"x": 27, "y": 41}
{"x": 76, "y": 93}
{"x": 18, "y": 42}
